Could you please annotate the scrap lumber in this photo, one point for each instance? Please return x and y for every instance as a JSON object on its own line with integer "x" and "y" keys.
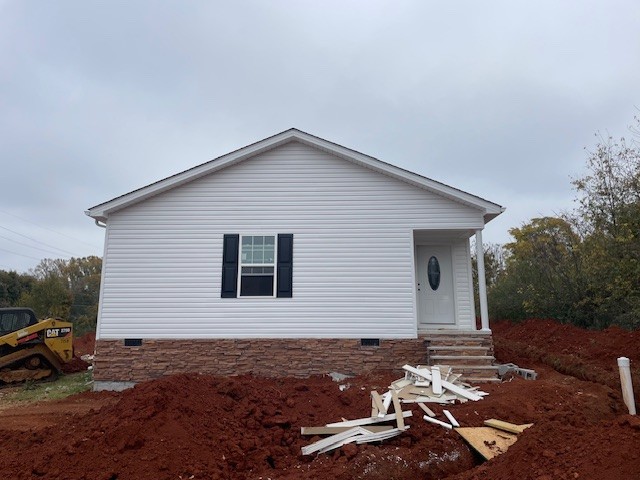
{"x": 506, "y": 426}
{"x": 398, "y": 410}
{"x": 368, "y": 421}
{"x": 436, "y": 381}
{"x": 426, "y": 409}
{"x": 487, "y": 441}
{"x": 443, "y": 400}
{"x": 334, "y": 430}
{"x": 386, "y": 401}
{"x": 438, "y": 422}
{"x": 400, "y": 384}
{"x": 360, "y": 438}
{"x": 333, "y": 439}
{"x": 461, "y": 391}
{"x": 376, "y": 437}
{"x": 451, "y": 418}
{"x": 377, "y": 403}
{"x": 423, "y": 373}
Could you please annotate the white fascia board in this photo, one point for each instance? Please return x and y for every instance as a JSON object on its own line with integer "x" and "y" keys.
{"x": 101, "y": 212}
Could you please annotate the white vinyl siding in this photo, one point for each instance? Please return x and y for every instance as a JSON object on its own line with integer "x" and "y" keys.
{"x": 352, "y": 251}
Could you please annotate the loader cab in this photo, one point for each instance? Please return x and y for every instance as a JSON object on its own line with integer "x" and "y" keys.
{"x": 13, "y": 319}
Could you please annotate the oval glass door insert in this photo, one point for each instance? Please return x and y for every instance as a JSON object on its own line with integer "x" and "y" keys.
{"x": 433, "y": 273}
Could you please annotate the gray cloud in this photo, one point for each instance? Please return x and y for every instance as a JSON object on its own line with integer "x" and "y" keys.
{"x": 495, "y": 98}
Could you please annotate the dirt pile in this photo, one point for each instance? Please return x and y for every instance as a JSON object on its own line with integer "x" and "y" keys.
{"x": 75, "y": 365}
{"x": 85, "y": 345}
{"x": 585, "y": 354}
{"x": 203, "y": 427}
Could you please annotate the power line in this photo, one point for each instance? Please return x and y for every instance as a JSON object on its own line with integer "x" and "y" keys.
{"x": 29, "y": 246}
{"x": 37, "y": 241}
{"x": 48, "y": 229}
{"x": 16, "y": 253}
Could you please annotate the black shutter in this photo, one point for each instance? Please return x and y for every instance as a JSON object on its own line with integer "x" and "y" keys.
{"x": 230, "y": 266}
{"x": 285, "y": 266}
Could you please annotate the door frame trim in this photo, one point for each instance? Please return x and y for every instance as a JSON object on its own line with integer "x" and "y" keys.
{"x": 420, "y": 326}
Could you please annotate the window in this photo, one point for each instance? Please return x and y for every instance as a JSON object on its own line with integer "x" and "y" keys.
{"x": 257, "y": 266}
{"x": 433, "y": 273}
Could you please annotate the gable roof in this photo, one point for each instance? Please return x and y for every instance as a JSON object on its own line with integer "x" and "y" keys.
{"x": 101, "y": 211}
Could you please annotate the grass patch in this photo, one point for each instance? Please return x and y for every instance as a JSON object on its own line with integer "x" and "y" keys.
{"x": 64, "y": 386}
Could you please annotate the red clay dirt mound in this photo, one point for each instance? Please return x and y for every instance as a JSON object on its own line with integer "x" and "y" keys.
{"x": 85, "y": 345}
{"x": 585, "y": 354}
{"x": 75, "y": 365}
{"x": 203, "y": 427}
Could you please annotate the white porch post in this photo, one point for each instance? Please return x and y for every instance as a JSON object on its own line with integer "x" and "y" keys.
{"x": 482, "y": 282}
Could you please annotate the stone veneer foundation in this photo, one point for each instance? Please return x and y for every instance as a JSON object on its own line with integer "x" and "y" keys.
{"x": 116, "y": 363}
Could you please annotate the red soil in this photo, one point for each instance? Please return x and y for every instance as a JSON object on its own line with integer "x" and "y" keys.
{"x": 75, "y": 365}
{"x": 85, "y": 345}
{"x": 585, "y": 354}
{"x": 203, "y": 427}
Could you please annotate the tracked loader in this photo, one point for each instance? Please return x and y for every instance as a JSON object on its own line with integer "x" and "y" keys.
{"x": 32, "y": 349}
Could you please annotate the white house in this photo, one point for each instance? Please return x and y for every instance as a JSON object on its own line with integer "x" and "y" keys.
{"x": 290, "y": 256}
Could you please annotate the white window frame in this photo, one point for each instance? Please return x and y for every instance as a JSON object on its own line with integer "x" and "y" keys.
{"x": 275, "y": 265}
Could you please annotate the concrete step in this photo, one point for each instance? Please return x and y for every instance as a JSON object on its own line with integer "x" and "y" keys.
{"x": 454, "y": 342}
{"x": 469, "y": 354}
{"x": 459, "y": 350}
{"x": 457, "y": 360}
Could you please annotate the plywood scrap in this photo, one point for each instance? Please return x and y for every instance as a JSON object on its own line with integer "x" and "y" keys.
{"x": 398, "y": 410}
{"x": 487, "y": 441}
{"x": 426, "y": 409}
{"x": 400, "y": 384}
{"x": 451, "y": 418}
{"x": 506, "y": 426}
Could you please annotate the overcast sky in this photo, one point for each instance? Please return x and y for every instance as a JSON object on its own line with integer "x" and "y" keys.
{"x": 495, "y": 98}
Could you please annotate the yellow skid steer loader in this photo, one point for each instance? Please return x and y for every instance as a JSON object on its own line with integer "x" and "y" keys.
{"x": 32, "y": 349}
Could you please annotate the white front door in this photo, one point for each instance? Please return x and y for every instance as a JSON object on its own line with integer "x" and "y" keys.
{"x": 435, "y": 286}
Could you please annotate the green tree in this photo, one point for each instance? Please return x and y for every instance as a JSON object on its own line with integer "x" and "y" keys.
{"x": 542, "y": 275}
{"x": 494, "y": 265}
{"x": 49, "y": 297}
{"x": 83, "y": 278}
{"x": 12, "y": 285}
{"x": 67, "y": 289}
{"x": 609, "y": 217}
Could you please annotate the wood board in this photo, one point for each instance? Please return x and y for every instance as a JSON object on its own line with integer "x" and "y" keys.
{"x": 488, "y": 442}
{"x": 506, "y": 426}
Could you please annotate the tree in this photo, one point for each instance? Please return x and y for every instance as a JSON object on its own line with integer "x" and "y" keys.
{"x": 609, "y": 217}
{"x": 494, "y": 265}
{"x": 12, "y": 285}
{"x": 543, "y": 273}
{"x": 67, "y": 289}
